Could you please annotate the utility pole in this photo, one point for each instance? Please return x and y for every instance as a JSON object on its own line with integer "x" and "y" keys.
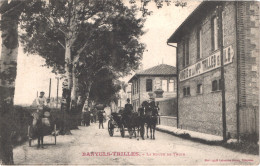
{"x": 50, "y": 89}
{"x": 49, "y": 99}
{"x": 57, "y": 102}
{"x": 222, "y": 81}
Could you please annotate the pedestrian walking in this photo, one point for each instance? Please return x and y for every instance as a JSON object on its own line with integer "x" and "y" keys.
{"x": 86, "y": 115}
{"x": 92, "y": 115}
{"x": 100, "y": 118}
{"x": 95, "y": 115}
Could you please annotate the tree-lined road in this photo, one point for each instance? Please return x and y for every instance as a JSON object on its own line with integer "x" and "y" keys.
{"x": 166, "y": 149}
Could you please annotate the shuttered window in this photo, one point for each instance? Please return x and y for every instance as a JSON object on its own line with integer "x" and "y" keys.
{"x": 186, "y": 56}
{"x": 171, "y": 86}
{"x": 199, "y": 43}
{"x": 186, "y": 91}
{"x": 214, "y": 33}
{"x": 187, "y": 53}
{"x": 214, "y": 85}
{"x": 149, "y": 85}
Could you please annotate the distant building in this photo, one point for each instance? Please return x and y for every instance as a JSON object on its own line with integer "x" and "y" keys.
{"x": 199, "y": 41}
{"x": 145, "y": 83}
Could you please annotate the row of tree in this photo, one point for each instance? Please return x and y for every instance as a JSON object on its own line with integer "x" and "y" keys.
{"x": 83, "y": 40}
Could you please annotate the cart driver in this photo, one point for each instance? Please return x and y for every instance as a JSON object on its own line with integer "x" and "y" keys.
{"x": 128, "y": 109}
{"x": 41, "y": 101}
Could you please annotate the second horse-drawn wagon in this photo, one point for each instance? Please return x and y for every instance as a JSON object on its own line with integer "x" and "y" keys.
{"x": 116, "y": 121}
{"x": 134, "y": 122}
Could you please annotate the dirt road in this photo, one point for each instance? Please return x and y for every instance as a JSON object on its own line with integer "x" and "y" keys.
{"x": 90, "y": 145}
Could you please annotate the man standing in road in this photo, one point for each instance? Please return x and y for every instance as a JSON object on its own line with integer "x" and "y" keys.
{"x": 100, "y": 118}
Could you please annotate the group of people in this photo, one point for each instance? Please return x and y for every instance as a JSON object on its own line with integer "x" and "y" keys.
{"x": 90, "y": 115}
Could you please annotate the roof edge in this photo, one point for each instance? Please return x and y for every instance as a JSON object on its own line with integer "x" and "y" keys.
{"x": 203, "y": 4}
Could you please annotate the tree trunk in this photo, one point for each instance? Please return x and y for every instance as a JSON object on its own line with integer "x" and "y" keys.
{"x": 74, "y": 112}
{"x": 74, "y": 94}
{"x": 7, "y": 84}
{"x": 66, "y": 91}
{"x": 87, "y": 92}
{"x": 68, "y": 65}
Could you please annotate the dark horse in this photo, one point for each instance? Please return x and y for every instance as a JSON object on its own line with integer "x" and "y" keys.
{"x": 41, "y": 125}
{"x": 151, "y": 113}
{"x": 135, "y": 124}
{"x": 133, "y": 121}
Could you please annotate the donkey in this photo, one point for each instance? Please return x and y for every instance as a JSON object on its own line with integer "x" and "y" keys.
{"x": 40, "y": 128}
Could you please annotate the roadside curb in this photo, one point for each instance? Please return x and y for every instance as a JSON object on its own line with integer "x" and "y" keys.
{"x": 191, "y": 135}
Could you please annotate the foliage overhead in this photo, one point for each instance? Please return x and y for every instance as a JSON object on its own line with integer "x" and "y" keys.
{"x": 105, "y": 87}
{"x": 107, "y": 35}
{"x": 158, "y": 3}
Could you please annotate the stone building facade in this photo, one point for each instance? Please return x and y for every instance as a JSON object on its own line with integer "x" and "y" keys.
{"x": 144, "y": 84}
{"x": 199, "y": 68}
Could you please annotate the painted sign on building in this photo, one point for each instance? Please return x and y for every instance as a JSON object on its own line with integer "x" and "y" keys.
{"x": 210, "y": 63}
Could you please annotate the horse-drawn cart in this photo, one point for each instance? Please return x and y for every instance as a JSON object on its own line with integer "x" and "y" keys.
{"x": 116, "y": 121}
{"x": 42, "y": 124}
{"x": 134, "y": 122}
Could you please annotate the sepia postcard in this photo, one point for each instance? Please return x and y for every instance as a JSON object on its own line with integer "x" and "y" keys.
{"x": 129, "y": 82}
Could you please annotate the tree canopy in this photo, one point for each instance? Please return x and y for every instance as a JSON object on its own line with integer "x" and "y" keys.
{"x": 107, "y": 38}
{"x": 105, "y": 87}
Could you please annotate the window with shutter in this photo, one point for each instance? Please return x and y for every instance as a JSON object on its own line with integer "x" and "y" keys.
{"x": 183, "y": 58}
{"x": 164, "y": 85}
{"x": 199, "y": 43}
{"x": 214, "y": 34}
{"x": 149, "y": 85}
{"x": 171, "y": 86}
{"x": 187, "y": 53}
{"x": 219, "y": 85}
{"x": 214, "y": 85}
{"x": 199, "y": 89}
{"x": 184, "y": 92}
{"x": 188, "y": 91}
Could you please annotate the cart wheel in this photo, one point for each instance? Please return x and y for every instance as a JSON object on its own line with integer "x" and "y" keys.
{"x": 110, "y": 128}
{"x": 122, "y": 131}
{"x": 55, "y": 135}
{"x": 29, "y": 136}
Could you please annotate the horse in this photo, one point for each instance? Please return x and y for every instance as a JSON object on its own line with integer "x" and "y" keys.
{"x": 41, "y": 125}
{"x": 131, "y": 120}
{"x": 135, "y": 125}
{"x": 141, "y": 121}
{"x": 151, "y": 113}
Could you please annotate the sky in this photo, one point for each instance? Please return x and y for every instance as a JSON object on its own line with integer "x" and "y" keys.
{"x": 33, "y": 77}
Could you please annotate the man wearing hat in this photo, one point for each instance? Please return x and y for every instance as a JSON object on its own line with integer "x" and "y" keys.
{"x": 41, "y": 101}
{"x": 128, "y": 106}
{"x": 128, "y": 110}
